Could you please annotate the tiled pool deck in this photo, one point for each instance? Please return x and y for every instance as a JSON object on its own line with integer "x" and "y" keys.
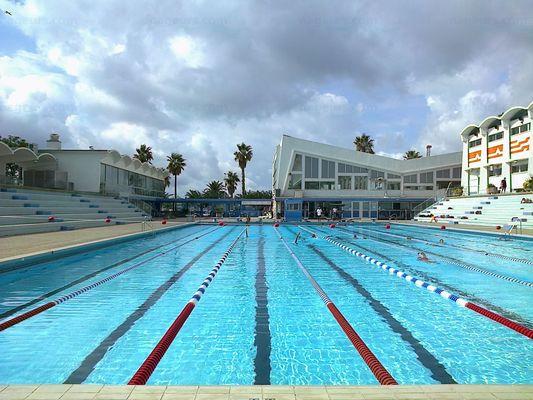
{"x": 107, "y": 392}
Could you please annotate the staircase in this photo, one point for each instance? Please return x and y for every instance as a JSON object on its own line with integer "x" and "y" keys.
{"x": 24, "y": 211}
{"x": 483, "y": 210}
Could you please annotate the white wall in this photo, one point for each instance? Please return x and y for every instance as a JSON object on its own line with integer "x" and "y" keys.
{"x": 83, "y": 167}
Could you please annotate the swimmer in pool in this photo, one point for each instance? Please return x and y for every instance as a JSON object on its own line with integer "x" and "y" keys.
{"x": 408, "y": 237}
{"x": 441, "y": 241}
{"x": 422, "y": 257}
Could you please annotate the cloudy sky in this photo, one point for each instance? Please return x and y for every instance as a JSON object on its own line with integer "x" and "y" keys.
{"x": 197, "y": 77}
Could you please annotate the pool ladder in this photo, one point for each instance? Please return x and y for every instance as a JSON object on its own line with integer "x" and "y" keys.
{"x": 147, "y": 225}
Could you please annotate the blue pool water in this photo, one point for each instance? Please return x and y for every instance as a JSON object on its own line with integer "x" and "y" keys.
{"x": 261, "y": 322}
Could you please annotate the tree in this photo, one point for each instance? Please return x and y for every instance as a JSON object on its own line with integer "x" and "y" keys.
{"x": 214, "y": 190}
{"x": 231, "y": 181}
{"x": 243, "y": 154}
{"x": 194, "y": 194}
{"x": 176, "y": 165}
{"x": 364, "y": 143}
{"x": 528, "y": 184}
{"x": 144, "y": 154}
{"x": 259, "y": 194}
{"x": 12, "y": 170}
{"x": 411, "y": 154}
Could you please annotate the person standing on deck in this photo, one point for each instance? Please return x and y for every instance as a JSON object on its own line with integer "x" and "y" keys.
{"x": 319, "y": 213}
{"x": 503, "y": 185}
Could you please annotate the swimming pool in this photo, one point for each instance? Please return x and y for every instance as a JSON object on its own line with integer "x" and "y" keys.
{"x": 260, "y": 319}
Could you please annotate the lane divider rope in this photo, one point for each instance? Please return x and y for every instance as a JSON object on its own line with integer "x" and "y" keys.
{"x": 452, "y": 261}
{"x": 36, "y": 311}
{"x": 379, "y": 371}
{"x": 150, "y": 363}
{"x": 487, "y": 253}
{"x": 443, "y": 293}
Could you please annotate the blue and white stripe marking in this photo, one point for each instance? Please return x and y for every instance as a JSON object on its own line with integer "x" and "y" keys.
{"x": 400, "y": 274}
{"x": 207, "y": 281}
{"x": 459, "y": 264}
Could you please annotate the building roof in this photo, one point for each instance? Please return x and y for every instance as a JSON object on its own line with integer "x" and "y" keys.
{"x": 370, "y": 160}
{"x": 495, "y": 120}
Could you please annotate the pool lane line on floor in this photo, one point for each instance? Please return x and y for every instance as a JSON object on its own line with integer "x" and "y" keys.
{"x": 44, "y": 296}
{"x": 437, "y": 282}
{"x": 36, "y": 311}
{"x": 150, "y": 363}
{"x": 486, "y": 253}
{"x": 428, "y": 360}
{"x": 450, "y": 260}
{"x": 80, "y": 374}
{"x": 262, "y": 337}
{"x": 380, "y": 372}
{"x": 443, "y": 293}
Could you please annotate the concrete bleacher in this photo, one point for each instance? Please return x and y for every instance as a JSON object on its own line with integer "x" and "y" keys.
{"x": 24, "y": 211}
{"x": 491, "y": 210}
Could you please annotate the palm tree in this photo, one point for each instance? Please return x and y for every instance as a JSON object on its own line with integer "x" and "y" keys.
{"x": 243, "y": 154}
{"x": 194, "y": 194}
{"x": 144, "y": 154}
{"x": 176, "y": 165}
{"x": 214, "y": 190}
{"x": 411, "y": 154}
{"x": 166, "y": 181}
{"x": 231, "y": 181}
{"x": 364, "y": 143}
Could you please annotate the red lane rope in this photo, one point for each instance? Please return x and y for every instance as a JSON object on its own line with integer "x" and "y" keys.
{"x": 148, "y": 366}
{"x": 35, "y": 311}
{"x": 150, "y": 363}
{"x": 26, "y": 315}
{"x": 379, "y": 371}
{"x": 501, "y": 319}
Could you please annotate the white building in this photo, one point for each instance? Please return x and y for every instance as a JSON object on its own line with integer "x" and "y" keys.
{"x": 307, "y": 175}
{"x": 97, "y": 171}
{"x": 499, "y": 147}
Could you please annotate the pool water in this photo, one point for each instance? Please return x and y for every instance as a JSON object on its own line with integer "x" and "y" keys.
{"x": 261, "y": 322}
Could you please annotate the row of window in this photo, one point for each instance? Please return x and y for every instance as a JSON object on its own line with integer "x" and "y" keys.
{"x": 328, "y": 171}
{"x": 114, "y": 177}
{"x": 474, "y": 143}
{"x": 499, "y": 135}
{"x": 495, "y": 136}
{"x": 521, "y": 128}
{"x": 496, "y": 169}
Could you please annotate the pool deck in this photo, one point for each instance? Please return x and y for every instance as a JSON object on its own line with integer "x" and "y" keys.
{"x": 25, "y": 245}
{"x": 479, "y": 228}
{"x": 111, "y": 392}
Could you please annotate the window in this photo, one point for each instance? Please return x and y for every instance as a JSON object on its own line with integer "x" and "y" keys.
{"x": 377, "y": 174}
{"x": 360, "y": 182}
{"x": 521, "y": 128}
{"x": 443, "y": 174}
{"x": 426, "y": 177}
{"x": 520, "y": 166}
{"x": 410, "y": 187}
{"x": 294, "y": 206}
{"x": 410, "y": 179}
{"x": 311, "y": 167}
{"x": 456, "y": 173}
{"x": 345, "y": 182}
{"x": 297, "y": 165}
{"x": 295, "y": 182}
{"x": 359, "y": 170}
{"x": 393, "y": 176}
{"x": 495, "y": 136}
{"x": 495, "y": 170}
{"x": 328, "y": 169}
{"x": 342, "y": 167}
{"x": 393, "y": 185}
{"x": 311, "y": 185}
{"x": 327, "y": 185}
{"x": 474, "y": 143}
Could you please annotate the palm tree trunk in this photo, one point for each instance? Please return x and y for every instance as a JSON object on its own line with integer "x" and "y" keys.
{"x": 175, "y": 190}
{"x": 243, "y": 184}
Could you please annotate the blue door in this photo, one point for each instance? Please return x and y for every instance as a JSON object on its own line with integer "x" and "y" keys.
{"x": 293, "y": 209}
